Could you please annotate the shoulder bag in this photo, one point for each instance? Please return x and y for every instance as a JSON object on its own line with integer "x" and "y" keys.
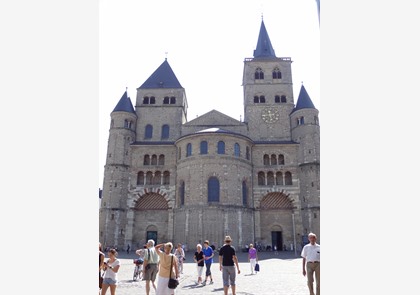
{"x": 173, "y": 283}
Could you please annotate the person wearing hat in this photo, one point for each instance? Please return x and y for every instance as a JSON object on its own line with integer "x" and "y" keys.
{"x": 227, "y": 262}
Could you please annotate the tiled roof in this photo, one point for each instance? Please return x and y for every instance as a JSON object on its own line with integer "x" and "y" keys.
{"x": 163, "y": 77}
{"x": 304, "y": 101}
{"x": 124, "y": 105}
{"x": 264, "y": 47}
{"x": 276, "y": 200}
{"x": 151, "y": 201}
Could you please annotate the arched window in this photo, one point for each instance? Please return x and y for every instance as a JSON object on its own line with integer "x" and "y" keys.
{"x": 270, "y": 178}
{"x": 237, "y": 150}
{"x": 148, "y": 132}
{"x": 213, "y": 189}
{"x": 140, "y": 178}
{"x": 261, "y": 178}
{"x": 288, "y": 178}
{"x": 266, "y": 160}
{"x": 203, "y": 147}
{"x": 259, "y": 74}
{"x": 161, "y": 160}
{"x": 279, "y": 178}
{"x": 149, "y": 177}
{"x": 173, "y": 100}
{"x": 166, "y": 177}
{"x": 157, "y": 178}
{"x": 273, "y": 159}
{"x": 316, "y": 120}
{"x": 182, "y": 193}
{"x": 262, "y": 99}
{"x": 221, "y": 147}
{"x": 248, "y": 156}
{"x": 146, "y": 100}
{"x": 154, "y": 160}
{"x": 146, "y": 160}
{"x": 277, "y": 98}
{"x": 166, "y": 100}
{"x": 189, "y": 149}
{"x": 152, "y": 100}
{"x": 244, "y": 194}
{"x": 283, "y": 98}
{"x": 276, "y": 73}
{"x": 165, "y": 131}
{"x": 125, "y": 123}
{"x": 112, "y": 123}
{"x": 281, "y": 160}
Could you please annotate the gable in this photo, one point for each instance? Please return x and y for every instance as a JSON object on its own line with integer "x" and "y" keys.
{"x": 214, "y": 119}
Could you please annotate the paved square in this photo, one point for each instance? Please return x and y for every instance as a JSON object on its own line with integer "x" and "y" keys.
{"x": 281, "y": 274}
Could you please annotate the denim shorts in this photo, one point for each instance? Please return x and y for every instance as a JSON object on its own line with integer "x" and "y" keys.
{"x": 109, "y": 281}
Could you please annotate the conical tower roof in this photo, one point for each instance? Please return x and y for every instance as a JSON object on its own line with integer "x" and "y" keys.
{"x": 163, "y": 77}
{"x": 304, "y": 101}
{"x": 124, "y": 105}
{"x": 264, "y": 47}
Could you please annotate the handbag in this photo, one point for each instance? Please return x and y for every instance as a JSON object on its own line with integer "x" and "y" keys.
{"x": 257, "y": 267}
{"x": 173, "y": 283}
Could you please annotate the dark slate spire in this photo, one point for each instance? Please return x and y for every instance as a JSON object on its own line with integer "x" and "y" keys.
{"x": 124, "y": 105}
{"x": 163, "y": 77}
{"x": 264, "y": 47}
{"x": 304, "y": 101}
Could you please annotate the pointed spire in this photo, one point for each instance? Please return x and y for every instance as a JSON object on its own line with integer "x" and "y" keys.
{"x": 124, "y": 105}
{"x": 264, "y": 47}
{"x": 163, "y": 77}
{"x": 304, "y": 101}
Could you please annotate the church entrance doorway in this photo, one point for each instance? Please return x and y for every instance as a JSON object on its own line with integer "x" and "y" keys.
{"x": 277, "y": 240}
{"x": 152, "y": 235}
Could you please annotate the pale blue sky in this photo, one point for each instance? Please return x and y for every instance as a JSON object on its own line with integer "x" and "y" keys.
{"x": 206, "y": 44}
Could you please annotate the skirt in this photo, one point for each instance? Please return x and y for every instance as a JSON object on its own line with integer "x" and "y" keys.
{"x": 162, "y": 287}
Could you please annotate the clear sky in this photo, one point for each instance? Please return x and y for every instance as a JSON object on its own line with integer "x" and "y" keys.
{"x": 205, "y": 44}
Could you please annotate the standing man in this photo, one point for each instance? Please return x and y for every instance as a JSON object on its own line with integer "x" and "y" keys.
{"x": 208, "y": 259}
{"x": 151, "y": 260}
{"x": 227, "y": 258}
{"x": 311, "y": 263}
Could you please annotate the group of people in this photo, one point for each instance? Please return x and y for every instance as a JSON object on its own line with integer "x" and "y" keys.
{"x": 163, "y": 265}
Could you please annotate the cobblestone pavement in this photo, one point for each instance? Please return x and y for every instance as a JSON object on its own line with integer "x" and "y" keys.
{"x": 280, "y": 274}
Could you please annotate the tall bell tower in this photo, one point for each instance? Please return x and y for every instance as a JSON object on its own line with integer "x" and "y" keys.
{"x": 268, "y": 92}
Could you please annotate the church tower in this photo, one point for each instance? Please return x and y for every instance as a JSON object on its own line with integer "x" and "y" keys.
{"x": 112, "y": 214}
{"x": 161, "y": 105}
{"x": 306, "y": 131}
{"x": 268, "y": 92}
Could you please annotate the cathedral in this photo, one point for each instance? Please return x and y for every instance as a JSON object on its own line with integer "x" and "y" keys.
{"x": 257, "y": 180}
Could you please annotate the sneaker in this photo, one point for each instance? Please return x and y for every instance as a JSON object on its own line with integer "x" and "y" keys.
{"x": 204, "y": 283}
{"x": 211, "y": 282}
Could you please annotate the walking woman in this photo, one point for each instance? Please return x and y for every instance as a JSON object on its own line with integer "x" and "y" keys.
{"x": 166, "y": 258}
{"x": 111, "y": 267}
{"x": 252, "y": 257}
{"x": 180, "y": 255}
{"x": 101, "y": 265}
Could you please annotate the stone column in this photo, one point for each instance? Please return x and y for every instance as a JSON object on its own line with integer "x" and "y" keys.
{"x": 171, "y": 224}
{"x": 257, "y": 226}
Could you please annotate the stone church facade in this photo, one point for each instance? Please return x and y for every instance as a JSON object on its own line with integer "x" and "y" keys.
{"x": 170, "y": 179}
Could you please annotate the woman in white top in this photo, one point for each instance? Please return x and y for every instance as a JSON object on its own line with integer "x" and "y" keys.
{"x": 111, "y": 267}
{"x": 165, "y": 271}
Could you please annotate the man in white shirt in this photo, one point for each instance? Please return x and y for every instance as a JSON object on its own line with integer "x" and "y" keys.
{"x": 151, "y": 260}
{"x": 311, "y": 263}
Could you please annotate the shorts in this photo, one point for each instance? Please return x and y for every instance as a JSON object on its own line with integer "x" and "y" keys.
{"x": 109, "y": 281}
{"x": 150, "y": 273}
{"x": 229, "y": 275}
{"x": 200, "y": 270}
